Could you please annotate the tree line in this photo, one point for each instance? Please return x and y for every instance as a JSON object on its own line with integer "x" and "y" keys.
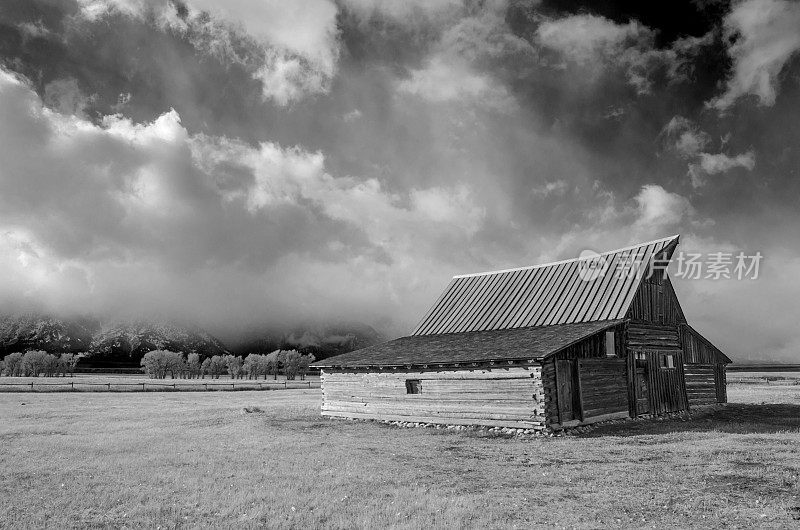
{"x": 157, "y": 364}
{"x": 34, "y": 363}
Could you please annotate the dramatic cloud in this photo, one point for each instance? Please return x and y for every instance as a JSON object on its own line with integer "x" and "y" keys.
{"x": 160, "y": 206}
{"x": 255, "y": 163}
{"x": 766, "y": 38}
{"x": 299, "y": 44}
{"x": 594, "y": 42}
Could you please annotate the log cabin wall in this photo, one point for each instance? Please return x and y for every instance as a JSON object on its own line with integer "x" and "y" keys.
{"x": 705, "y": 369}
{"x": 648, "y": 336}
{"x": 701, "y": 388}
{"x": 507, "y": 397}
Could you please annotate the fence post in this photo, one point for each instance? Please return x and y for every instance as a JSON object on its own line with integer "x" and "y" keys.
{"x": 72, "y": 385}
{"x": 142, "y": 387}
{"x": 31, "y": 386}
{"x": 173, "y": 386}
{"x": 284, "y": 385}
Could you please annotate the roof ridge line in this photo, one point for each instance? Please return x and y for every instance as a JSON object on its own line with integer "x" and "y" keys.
{"x": 531, "y": 267}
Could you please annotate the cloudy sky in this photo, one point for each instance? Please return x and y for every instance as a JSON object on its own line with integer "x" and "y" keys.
{"x": 258, "y": 162}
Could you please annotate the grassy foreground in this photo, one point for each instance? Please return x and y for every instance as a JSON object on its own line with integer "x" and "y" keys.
{"x": 200, "y": 459}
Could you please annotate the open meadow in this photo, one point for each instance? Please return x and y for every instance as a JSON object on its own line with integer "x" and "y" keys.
{"x": 247, "y": 459}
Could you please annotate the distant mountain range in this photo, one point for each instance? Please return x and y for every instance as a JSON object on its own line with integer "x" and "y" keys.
{"x": 123, "y": 343}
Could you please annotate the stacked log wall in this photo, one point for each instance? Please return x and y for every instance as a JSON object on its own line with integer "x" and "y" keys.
{"x": 700, "y": 384}
{"x": 507, "y": 397}
{"x": 705, "y": 369}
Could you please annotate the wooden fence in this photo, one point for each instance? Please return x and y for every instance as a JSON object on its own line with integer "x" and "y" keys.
{"x": 72, "y": 386}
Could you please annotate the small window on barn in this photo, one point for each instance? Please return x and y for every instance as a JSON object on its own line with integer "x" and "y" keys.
{"x": 668, "y": 361}
{"x": 413, "y": 386}
{"x": 611, "y": 348}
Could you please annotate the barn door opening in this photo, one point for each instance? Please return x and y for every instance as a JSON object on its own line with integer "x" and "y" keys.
{"x": 657, "y": 381}
{"x": 569, "y": 407}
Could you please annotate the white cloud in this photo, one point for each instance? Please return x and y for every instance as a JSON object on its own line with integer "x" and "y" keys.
{"x": 582, "y": 38}
{"x": 405, "y": 11}
{"x": 146, "y": 217}
{"x": 660, "y": 209}
{"x": 299, "y": 41}
{"x": 766, "y": 37}
{"x": 713, "y": 164}
{"x": 553, "y": 188}
{"x": 685, "y": 137}
{"x": 593, "y": 42}
{"x": 720, "y": 163}
{"x": 304, "y": 27}
{"x": 689, "y": 142}
{"x": 446, "y": 80}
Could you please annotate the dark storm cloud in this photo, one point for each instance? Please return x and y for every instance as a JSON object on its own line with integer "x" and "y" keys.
{"x": 350, "y": 165}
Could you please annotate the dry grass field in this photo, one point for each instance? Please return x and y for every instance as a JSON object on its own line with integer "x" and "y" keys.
{"x": 183, "y": 460}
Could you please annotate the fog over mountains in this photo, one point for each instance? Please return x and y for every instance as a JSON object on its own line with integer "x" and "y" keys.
{"x": 123, "y": 343}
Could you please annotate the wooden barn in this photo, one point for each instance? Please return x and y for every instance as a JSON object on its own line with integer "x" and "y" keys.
{"x": 550, "y": 346}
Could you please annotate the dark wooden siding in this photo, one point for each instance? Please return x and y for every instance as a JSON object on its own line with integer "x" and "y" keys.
{"x": 643, "y": 335}
{"x": 698, "y": 350}
{"x": 667, "y": 387}
{"x": 721, "y": 383}
{"x": 655, "y": 302}
{"x": 601, "y": 382}
{"x": 603, "y": 386}
{"x": 594, "y": 346}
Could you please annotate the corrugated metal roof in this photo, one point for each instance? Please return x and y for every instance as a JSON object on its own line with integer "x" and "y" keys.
{"x": 544, "y": 295}
{"x": 480, "y": 346}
